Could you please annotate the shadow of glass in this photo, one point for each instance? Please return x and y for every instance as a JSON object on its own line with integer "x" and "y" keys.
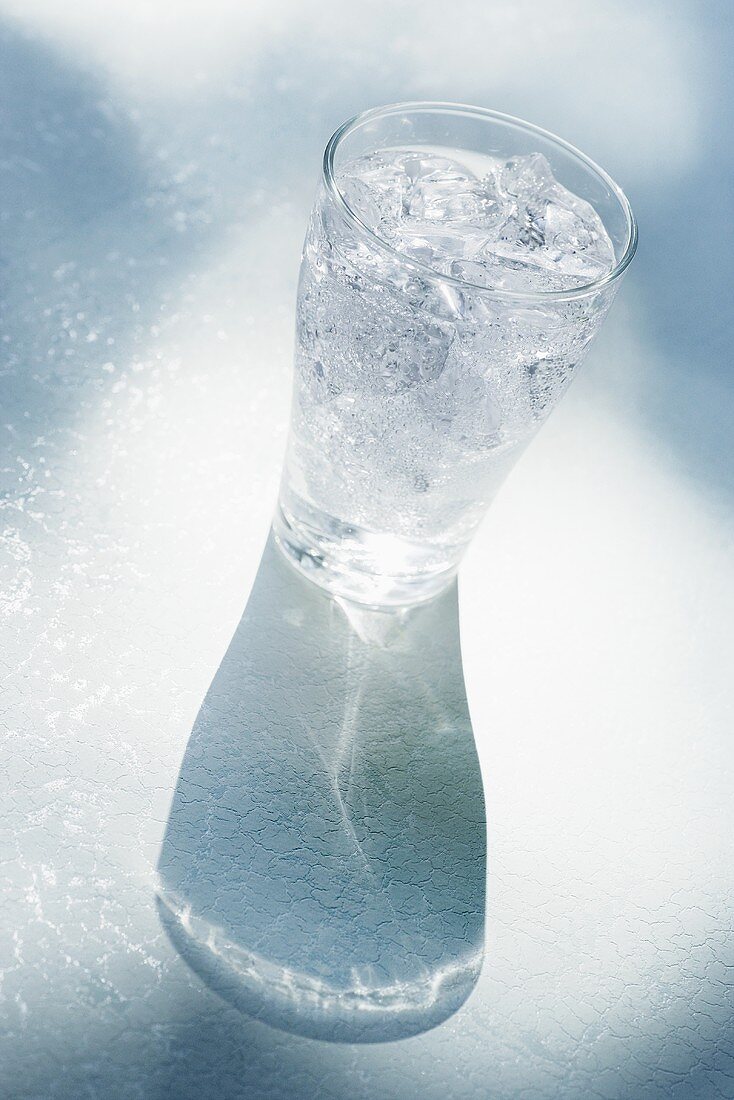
{"x": 323, "y": 866}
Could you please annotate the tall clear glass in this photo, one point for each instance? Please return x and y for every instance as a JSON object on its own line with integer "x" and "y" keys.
{"x": 415, "y": 392}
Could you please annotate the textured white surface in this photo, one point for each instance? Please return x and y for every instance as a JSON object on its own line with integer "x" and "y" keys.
{"x": 157, "y": 168}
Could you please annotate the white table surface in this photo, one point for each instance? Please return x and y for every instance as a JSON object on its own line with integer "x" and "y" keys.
{"x": 158, "y": 163}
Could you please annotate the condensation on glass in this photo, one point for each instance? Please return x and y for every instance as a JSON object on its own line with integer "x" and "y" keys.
{"x": 417, "y": 385}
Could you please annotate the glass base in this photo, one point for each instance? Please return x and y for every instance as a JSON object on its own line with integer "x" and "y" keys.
{"x": 378, "y": 570}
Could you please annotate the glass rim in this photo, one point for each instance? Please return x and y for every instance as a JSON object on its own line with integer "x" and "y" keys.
{"x": 439, "y": 107}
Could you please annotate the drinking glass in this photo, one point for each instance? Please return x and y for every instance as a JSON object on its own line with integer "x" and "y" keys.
{"x": 415, "y": 391}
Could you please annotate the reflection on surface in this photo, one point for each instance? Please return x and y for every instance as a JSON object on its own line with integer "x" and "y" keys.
{"x": 324, "y": 862}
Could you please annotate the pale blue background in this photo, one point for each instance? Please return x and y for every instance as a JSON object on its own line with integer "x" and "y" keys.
{"x": 158, "y": 163}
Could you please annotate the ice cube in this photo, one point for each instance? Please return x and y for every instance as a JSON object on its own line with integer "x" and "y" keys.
{"x": 368, "y": 203}
{"x": 502, "y": 273}
{"x": 409, "y": 354}
{"x": 462, "y": 405}
{"x": 526, "y": 177}
{"x": 420, "y": 165}
{"x": 374, "y": 186}
{"x": 515, "y": 228}
{"x": 550, "y": 228}
{"x": 444, "y": 194}
{"x": 578, "y": 244}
